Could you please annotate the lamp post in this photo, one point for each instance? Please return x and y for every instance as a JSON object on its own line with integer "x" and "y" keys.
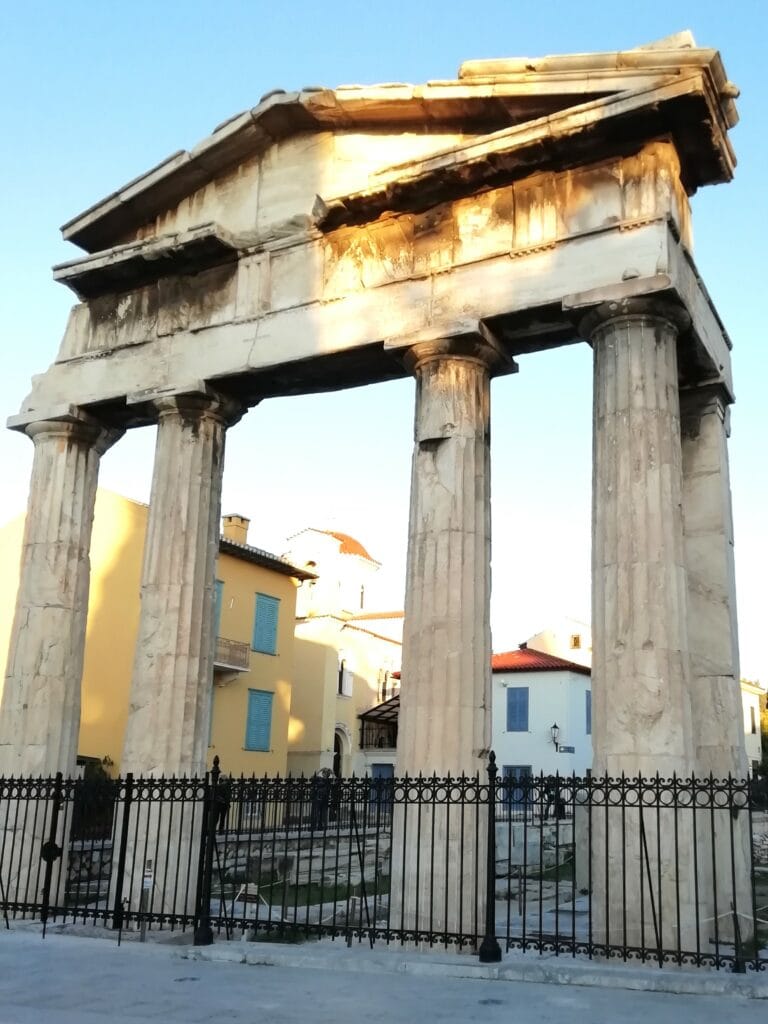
{"x": 554, "y": 732}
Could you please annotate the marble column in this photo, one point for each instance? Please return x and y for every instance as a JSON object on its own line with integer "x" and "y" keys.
{"x": 641, "y": 714}
{"x": 40, "y": 712}
{"x": 167, "y": 727}
{"x": 712, "y": 626}
{"x": 641, "y": 706}
{"x": 444, "y": 724}
{"x": 718, "y": 721}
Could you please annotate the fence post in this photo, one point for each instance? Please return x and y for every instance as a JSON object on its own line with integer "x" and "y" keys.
{"x": 118, "y": 914}
{"x": 51, "y": 851}
{"x": 203, "y": 930}
{"x": 490, "y": 950}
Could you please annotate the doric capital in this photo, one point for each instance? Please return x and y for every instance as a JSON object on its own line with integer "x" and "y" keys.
{"x": 647, "y": 308}
{"x": 479, "y": 347}
{"x": 80, "y": 429}
{"x": 196, "y": 406}
{"x": 711, "y": 399}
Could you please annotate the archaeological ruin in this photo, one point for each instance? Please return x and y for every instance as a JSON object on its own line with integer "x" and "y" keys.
{"x": 327, "y": 239}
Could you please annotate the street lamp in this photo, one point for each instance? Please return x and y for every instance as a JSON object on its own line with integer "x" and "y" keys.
{"x": 554, "y": 732}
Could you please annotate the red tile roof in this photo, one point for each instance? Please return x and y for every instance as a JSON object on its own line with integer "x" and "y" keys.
{"x": 524, "y": 659}
{"x": 349, "y": 546}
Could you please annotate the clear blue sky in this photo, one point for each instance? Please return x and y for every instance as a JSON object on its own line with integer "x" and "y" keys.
{"x": 96, "y": 93}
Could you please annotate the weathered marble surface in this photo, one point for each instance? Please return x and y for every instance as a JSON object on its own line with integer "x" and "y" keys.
{"x": 167, "y": 727}
{"x": 40, "y": 711}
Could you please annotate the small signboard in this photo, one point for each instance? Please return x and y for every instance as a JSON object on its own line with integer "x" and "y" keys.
{"x": 148, "y": 876}
{"x": 566, "y": 750}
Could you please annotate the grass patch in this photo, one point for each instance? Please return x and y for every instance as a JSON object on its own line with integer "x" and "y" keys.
{"x": 556, "y": 873}
{"x": 316, "y": 892}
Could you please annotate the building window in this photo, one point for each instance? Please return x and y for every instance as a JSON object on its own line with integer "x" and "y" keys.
{"x": 265, "y": 624}
{"x": 588, "y": 704}
{"x": 517, "y": 709}
{"x": 217, "y": 601}
{"x": 752, "y": 719}
{"x": 258, "y": 726}
{"x": 575, "y": 641}
{"x": 516, "y": 786}
{"x": 344, "y": 688}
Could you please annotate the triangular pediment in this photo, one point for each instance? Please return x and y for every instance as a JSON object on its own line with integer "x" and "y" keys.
{"x": 581, "y": 103}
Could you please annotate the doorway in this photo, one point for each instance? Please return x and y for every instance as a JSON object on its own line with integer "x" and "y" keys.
{"x": 337, "y": 755}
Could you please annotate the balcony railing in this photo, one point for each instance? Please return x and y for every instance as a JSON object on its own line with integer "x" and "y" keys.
{"x": 232, "y": 655}
{"x": 378, "y": 736}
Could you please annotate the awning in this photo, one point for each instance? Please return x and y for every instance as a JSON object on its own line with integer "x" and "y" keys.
{"x": 387, "y": 712}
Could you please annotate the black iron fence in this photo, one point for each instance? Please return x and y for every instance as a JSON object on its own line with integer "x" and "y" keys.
{"x": 668, "y": 871}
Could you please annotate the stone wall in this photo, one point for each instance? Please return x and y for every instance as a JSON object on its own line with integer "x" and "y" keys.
{"x": 338, "y": 858}
{"x": 760, "y": 837}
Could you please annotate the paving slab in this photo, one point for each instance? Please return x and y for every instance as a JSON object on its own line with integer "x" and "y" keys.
{"x": 66, "y": 979}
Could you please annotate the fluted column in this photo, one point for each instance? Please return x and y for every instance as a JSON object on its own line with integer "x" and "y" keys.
{"x": 643, "y": 878}
{"x": 708, "y": 539}
{"x": 718, "y": 721}
{"x": 438, "y": 870}
{"x": 444, "y": 721}
{"x": 641, "y": 714}
{"x": 170, "y": 691}
{"x": 40, "y": 712}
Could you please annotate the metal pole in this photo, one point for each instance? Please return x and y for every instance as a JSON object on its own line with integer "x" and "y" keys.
{"x": 51, "y": 851}
{"x": 118, "y": 911}
{"x": 203, "y": 931}
{"x": 490, "y": 950}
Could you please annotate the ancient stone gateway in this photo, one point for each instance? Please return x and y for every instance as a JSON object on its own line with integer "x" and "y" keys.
{"x": 327, "y": 239}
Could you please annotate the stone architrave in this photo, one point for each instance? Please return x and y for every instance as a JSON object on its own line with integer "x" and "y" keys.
{"x": 167, "y": 727}
{"x": 445, "y": 698}
{"x": 642, "y": 719}
{"x": 40, "y": 712}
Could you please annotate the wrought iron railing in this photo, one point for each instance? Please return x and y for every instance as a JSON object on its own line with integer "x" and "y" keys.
{"x": 232, "y": 654}
{"x": 665, "y": 871}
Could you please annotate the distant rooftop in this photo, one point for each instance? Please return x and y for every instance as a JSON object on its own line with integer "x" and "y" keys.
{"x": 525, "y": 659}
{"x": 264, "y": 558}
{"x": 349, "y": 546}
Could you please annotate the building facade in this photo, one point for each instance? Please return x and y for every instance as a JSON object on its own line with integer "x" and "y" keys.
{"x": 347, "y": 657}
{"x": 546, "y": 683}
{"x": 542, "y": 714}
{"x": 250, "y": 695}
{"x": 752, "y": 697}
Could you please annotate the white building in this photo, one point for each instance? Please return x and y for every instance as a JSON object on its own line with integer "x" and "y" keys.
{"x": 347, "y": 660}
{"x": 568, "y": 638}
{"x": 546, "y": 682}
{"x": 541, "y": 714}
{"x": 750, "y": 700}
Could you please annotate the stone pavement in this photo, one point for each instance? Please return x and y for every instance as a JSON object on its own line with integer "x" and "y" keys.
{"x": 66, "y": 979}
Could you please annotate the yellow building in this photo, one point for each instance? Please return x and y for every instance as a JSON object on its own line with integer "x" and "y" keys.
{"x": 253, "y": 666}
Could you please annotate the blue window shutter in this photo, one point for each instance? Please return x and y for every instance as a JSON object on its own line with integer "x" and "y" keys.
{"x": 258, "y": 727}
{"x": 217, "y": 608}
{"x": 517, "y": 709}
{"x": 265, "y": 624}
{"x": 588, "y": 695}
